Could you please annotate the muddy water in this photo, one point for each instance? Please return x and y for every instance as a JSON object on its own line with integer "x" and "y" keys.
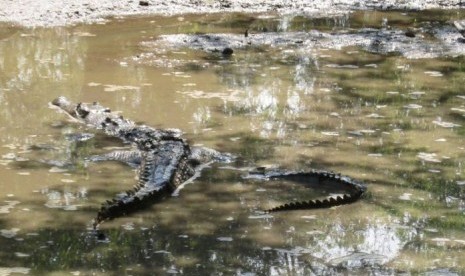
{"x": 397, "y": 124}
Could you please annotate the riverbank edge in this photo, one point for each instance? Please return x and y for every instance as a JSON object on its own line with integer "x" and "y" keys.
{"x": 52, "y": 13}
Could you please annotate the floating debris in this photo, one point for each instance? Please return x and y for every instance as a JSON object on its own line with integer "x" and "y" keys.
{"x": 13, "y": 146}
{"x": 441, "y": 240}
{"x": 24, "y": 173}
{"x": 330, "y": 133}
{"x": 416, "y": 94}
{"x": 413, "y": 106}
{"x": 428, "y": 157}
{"x": 225, "y": 239}
{"x": 190, "y": 84}
{"x": 14, "y": 270}
{"x": 355, "y": 133}
{"x": 444, "y": 124}
{"x": 405, "y": 196}
{"x": 70, "y": 207}
{"x": 113, "y": 88}
{"x": 345, "y": 66}
{"x": 460, "y": 110}
{"x": 57, "y": 170}
{"x": 367, "y": 131}
{"x": 21, "y": 255}
{"x": 434, "y": 171}
{"x": 460, "y": 241}
{"x": 9, "y": 156}
{"x": 128, "y": 226}
{"x": 264, "y": 216}
{"x": 5, "y": 209}
{"x": 9, "y": 233}
{"x": 434, "y": 73}
{"x": 231, "y": 95}
{"x": 440, "y": 140}
{"x": 314, "y": 232}
{"x": 374, "y": 115}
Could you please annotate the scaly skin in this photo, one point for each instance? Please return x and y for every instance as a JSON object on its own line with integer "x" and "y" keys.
{"x": 165, "y": 161}
{"x": 164, "y": 157}
{"x": 354, "y": 189}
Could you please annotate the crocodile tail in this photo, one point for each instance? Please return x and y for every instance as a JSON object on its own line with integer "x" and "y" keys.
{"x": 129, "y": 203}
{"x": 317, "y": 203}
{"x": 157, "y": 180}
{"x": 135, "y": 199}
{"x": 356, "y": 191}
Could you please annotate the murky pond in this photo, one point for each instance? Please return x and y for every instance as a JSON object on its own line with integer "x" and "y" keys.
{"x": 394, "y": 122}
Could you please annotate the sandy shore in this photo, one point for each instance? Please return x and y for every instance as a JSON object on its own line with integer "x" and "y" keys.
{"x": 48, "y": 13}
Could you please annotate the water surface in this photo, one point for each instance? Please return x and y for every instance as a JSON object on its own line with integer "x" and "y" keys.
{"x": 395, "y": 123}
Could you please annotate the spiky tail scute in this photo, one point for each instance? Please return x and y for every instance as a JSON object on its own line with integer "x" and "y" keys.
{"x": 318, "y": 204}
{"x": 357, "y": 190}
{"x": 117, "y": 208}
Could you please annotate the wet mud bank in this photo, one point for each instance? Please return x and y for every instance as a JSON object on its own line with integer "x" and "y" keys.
{"x": 428, "y": 42}
{"x": 31, "y": 13}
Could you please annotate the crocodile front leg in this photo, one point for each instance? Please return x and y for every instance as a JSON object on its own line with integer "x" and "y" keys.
{"x": 132, "y": 158}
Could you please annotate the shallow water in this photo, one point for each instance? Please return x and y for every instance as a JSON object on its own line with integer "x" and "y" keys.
{"x": 395, "y": 123}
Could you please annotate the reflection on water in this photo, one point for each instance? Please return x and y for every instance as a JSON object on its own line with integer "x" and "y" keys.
{"x": 395, "y": 123}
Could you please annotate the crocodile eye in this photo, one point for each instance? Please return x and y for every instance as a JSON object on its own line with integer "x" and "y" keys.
{"x": 81, "y": 111}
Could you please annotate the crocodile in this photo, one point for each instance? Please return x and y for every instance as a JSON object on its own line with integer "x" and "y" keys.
{"x": 165, "y": 162}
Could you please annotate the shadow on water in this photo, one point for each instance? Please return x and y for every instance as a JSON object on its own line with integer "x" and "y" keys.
{"x": 158, "y": 250}
{"x": 166, "y": 239}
